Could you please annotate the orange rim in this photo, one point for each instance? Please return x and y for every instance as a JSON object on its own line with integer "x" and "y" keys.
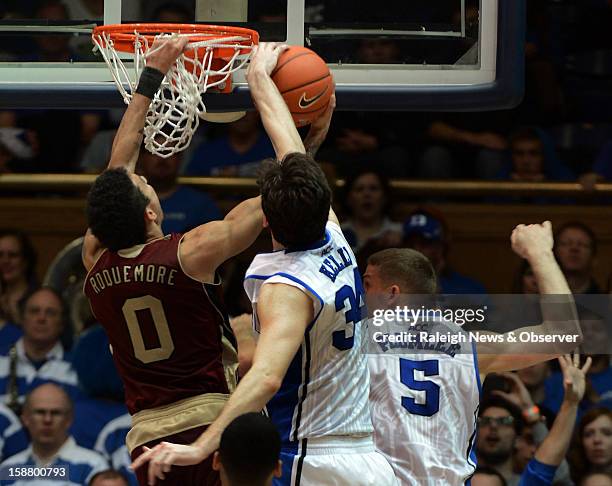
{"x": 123, "y": 35}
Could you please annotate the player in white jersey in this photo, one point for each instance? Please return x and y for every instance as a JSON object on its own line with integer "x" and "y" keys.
{"x": 425, "y": 397}
{"x": 307, "y": 305}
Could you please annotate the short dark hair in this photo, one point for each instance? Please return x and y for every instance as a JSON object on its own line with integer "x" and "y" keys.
{"x": 296, "y": 198}
{"x": 579, "y": 225}
{"x": 115, "y": 210}
{"x": 489, "y": 471}
{"x": 407, "y": 268}
{"x": 249, "y": 449}
{"x": 108, "y": 474}
{"x": 514, "y": 410}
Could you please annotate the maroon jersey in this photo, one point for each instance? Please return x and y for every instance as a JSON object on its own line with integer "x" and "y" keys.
{"x": 164, "y": 327}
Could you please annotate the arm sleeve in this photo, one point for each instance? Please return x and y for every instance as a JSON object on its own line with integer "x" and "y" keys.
{"x": 537, "y": 474}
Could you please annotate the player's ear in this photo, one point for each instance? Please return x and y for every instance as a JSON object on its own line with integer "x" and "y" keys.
{"x": 278, "y": 470}
{"x": 216, "y": 462}
{"x": 265, "y": 222}
{"x": 150, "y": 215}
{"x": 393, "y": 294}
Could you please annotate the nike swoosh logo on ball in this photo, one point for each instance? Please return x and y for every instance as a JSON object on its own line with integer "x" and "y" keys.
{"x": 306, "y": 102}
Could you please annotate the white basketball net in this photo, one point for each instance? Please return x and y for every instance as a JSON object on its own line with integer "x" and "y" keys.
{"x": 175, "y": 111}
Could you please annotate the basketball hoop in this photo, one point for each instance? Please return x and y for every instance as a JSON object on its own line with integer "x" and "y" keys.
{"x": 213, "y": 54}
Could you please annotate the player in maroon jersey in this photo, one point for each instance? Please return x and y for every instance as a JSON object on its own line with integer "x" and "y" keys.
{"x": 158, "y": 296}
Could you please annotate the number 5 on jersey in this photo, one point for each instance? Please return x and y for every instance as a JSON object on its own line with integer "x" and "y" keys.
{"x": 354, "y": 313}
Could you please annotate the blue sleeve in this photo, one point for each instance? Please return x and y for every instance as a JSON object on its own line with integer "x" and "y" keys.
{"x": 538, "y": 474}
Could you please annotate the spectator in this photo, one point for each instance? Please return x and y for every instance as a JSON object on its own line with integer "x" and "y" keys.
{"x": 47, "y": 415}
{"x": 109, "y": 477}
{"x": 592, "y": 446}
{"x": 53, "y": 47}
{"x": 17, "y": 272}
{"x": 249, "y": 452}
{"x": 464, "y": 144}
{"x": 575, "y": 249}
{"x": 9, "y": 332}
{"x": 184, "y": 208}
{"x": 16, "y": 145}
{"x": 38, "y": 357}
{"x": 236, "y": 154}
{"x": 534, "y": 158}
{"x": 534, "y": 380}
{"x": 597, "y": 479}
{"x": 367, "y": 202}
{"x": 111, "y": 444}
{"x": 487, "y": 476}
{"x": 13, "y": 438}
{"x": 500, "y": 423}
{"x": 101, "y": 419}
{"x": 428, "y": 234}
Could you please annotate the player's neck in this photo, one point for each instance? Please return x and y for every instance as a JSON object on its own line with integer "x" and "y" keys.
{"x": 154, "y": 232}
{"x": 276, "y": 245}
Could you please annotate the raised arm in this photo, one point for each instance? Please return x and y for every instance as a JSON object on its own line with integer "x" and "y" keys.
{"x": 128, "y": 138}
{"x": 206, "y": 247}
{"x": 275, "y": 115}
{"x": 553, "y": 449}
{"x": 284, "y": 313}
{"x": 560, "y": 318}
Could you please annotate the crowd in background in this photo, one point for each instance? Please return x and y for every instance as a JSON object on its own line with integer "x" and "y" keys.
{"x": 57, "y": 403}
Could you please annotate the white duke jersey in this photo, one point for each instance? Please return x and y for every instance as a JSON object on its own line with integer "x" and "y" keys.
{"x": 424, "y": 408}
{"x": 325, "y": 390}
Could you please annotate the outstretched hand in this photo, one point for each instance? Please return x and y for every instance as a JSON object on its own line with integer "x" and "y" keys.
{"x": 574, "y": 377}
{"x": 164, "y": 51}
{"x": 264, "y": 58}
{"x": 164, "y": 455}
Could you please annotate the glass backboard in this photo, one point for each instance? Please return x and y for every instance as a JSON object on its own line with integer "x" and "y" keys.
{"x": 446, "y": 55}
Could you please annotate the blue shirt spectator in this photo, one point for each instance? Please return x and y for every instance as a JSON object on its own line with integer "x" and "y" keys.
{"x": 47, "y": 415}
{"x": 54, "y": 367}
{"x": 9, "y": 335}
{"x": 237, "y": 154}
{"x": 187, "y": 208}
{"x": 111, "y": 444}
{"x": 81, "y": 464}
{"x": 428, "y": 233}
{"x": 13, "y": 438}
{"x": 184, "y": 208}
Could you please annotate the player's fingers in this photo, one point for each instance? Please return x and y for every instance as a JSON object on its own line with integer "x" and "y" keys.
{"x": 547, "y": 225}
{"x": 576, "y": 360}
{"x": 142, "y": 458}
{"x": 587, "y": 365}
{"x": 562, "y": 363}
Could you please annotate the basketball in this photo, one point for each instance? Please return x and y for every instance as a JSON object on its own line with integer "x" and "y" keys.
{"x": 305, "y": 83}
